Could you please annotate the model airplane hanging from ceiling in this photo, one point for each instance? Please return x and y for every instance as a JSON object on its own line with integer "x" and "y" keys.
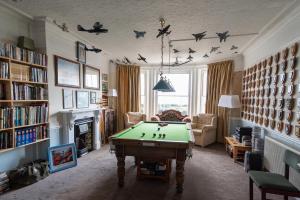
{"x": 163, "y": 31}
{"x": 199, "y": 36}
{"x": 219, "y": 52}
{"x": 141, "y": 58}
{"x": 233, "y": 47}
{"x": 96, "y": 50}
{"x": 190, "y": 57}
{"x": 223, "y": 36}
{"x": 205, "y": 56}
{"x": 97, "y": 28}
{"x": 126, "y": 60}
{"x": 175, "y": 51}
{"x": 214, "y": 49}
{"x": 191, "y": 51}
{"x": 139, "y": 34}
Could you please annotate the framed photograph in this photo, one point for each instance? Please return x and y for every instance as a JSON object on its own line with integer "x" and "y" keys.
{"x": 82, "y": 99}
{"x": 62, "y": 157}
{"x": 93, "y": 97}
{"x": 80, "y": 52}
{"x": 67, "y": 98}
{"x": 67, "y": 72}
{"x": 104, "y": 77}
{"x": 91, "y": 77}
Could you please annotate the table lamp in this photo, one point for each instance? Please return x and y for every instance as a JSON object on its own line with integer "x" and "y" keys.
{"x": 112, "y": 93}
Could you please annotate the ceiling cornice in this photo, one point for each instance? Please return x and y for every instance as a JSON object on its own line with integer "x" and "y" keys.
{"x": 280, "y": 18}
{"x": 18, "y": 11}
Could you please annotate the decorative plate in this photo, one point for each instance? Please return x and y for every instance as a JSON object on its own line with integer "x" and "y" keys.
{"x": 294, "y": 49}
{"x": 281, "y": 103}
{"x": 256, "y": 119}
{"x": 275, "y": 80}
{"x": 283, "y": 78}
{"x": 282, "y": 90}
{"x": 290, "y": 104}
{"x": 274, "y": 91}
{"x": 277, "y": 57}
{"x": 261, "y": 111}
{"x": 289, "y": 116}
{"x": 281, "y": 115}
{"x": 279, "y": 126}
{"x": 268, "y": 102}
{"x": 288, "y": 129}
{"x": 291, "y": 90}
{"x": 267, "y": 112}
{"x": 297, "y": 131}
{"x": 293, "y": 62}
{"x": 284, "y": 65}
{"x": 292, "y": 75}
{"x": 266, "y": 122}
{"x": 274, "y": 102}
{"x": 285, "y": 53}
{"x": 269, "y": 73}
{"x": 273, "y": 123}
{"x": 273, "y": 114}
{"x": 270, "y": 60}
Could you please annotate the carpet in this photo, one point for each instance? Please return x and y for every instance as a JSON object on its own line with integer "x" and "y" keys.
{"x": 210, "y": 175}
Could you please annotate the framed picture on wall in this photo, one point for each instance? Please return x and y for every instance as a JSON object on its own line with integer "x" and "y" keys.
{"x": 93, "y": 97}
{"x": 62, "y": 157}
{"x": 67, "y": 98}
{"x": 82, "y": 99}
{"x": 91, "y": 77}
{"x": 80, "y": 52}
{"x": 67, "y": 72}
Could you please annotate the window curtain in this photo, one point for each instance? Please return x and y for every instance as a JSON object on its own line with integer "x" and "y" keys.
{"x": 128, "y": 87}
{"x": 218, "y": 83}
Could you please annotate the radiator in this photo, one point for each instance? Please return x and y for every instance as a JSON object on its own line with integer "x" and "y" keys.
{"x": 273, "y": 159}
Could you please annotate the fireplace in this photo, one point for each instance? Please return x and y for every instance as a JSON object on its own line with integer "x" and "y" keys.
{"x": 83, "y": 136}
{"x": 72, "y": 117}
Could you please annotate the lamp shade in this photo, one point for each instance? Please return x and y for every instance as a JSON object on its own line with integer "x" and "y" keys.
{"x": 164, "y": 85}
{"x": 112, "y": 93}
{"x": 229, "y": 101}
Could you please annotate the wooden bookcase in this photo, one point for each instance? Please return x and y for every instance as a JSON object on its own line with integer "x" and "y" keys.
{"x": 104, "y": 101}
{"x": 19, "y": 72}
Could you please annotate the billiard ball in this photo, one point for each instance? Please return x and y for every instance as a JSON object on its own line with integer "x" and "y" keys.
{"x": 143, "y": 134}
{"x": 154, "y": 135}
{"x": 159, "y": 135}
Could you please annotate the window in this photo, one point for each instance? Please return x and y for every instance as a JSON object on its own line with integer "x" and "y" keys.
{"x": 142, "y": 84}
{"x": 178, "y": 100}
{"x": 203, "y": 85}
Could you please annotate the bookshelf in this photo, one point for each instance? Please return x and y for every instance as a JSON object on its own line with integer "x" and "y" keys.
{"x": 104, "y": 101}
{"x": 24, "y": 110}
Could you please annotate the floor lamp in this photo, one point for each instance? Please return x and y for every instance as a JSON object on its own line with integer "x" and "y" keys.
{"x": 229, "y": 101}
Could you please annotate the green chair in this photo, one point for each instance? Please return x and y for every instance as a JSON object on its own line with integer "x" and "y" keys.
{"x": 275, "y": 183}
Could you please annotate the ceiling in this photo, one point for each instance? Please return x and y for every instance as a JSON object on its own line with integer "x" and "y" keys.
{"x": 121, "y": 17}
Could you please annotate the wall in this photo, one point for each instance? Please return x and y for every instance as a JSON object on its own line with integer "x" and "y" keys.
{"x": 53, "y": 41}
{"x": 284, "y": 32}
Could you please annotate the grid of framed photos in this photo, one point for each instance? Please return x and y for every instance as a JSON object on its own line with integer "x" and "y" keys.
{"x": 269, "y": 95}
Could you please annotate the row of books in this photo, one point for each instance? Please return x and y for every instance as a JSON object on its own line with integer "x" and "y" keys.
{"x": 29, "y": 92}
{"x": 2, "y": 91}
{"x": 5, "y": 140}
{"x": 4, "y": 182}
{"x": 4, "y": 70}
{"x": 5, "y": 117}
{"x": 29, "y": 135}
{"x": 12, "y": 51}
{"x": 28, "y": 115}
{"x": 38, "y": 75}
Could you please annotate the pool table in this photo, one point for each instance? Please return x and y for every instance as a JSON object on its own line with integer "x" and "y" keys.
{"x": 149, "y": 140}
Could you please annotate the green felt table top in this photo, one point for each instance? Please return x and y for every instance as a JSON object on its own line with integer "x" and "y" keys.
{"x": 174, "y": 132}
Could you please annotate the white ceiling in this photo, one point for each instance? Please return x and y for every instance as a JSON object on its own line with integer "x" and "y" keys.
{"x": 121, "y": 17}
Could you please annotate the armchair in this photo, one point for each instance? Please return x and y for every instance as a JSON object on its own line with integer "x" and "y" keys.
{"x": 132, "y": 118}
{"x": 171, "y": 115}
{"x": 204, "y": 129}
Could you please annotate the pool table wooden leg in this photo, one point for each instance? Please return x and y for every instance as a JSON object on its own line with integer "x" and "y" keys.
{"x": 121, "y": 164}
{"x": 180, "y": 159}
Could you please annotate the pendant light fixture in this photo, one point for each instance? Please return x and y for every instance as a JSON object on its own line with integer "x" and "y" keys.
{"x": 163, "y": 85}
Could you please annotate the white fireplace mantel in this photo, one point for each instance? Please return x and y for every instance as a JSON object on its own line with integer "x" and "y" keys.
{"x": 68, "y": 120}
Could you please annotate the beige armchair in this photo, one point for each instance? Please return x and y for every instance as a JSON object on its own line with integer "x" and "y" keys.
{"x": 204, "y": 129}
{"x": 132, "y": 118}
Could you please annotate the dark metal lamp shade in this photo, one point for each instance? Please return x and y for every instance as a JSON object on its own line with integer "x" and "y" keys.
{"x": 163, "y": 86}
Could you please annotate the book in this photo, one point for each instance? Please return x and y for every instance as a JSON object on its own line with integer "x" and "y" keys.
{"x": 4, "y": 72}
{"x": 29, "y": 115}
{"x": 29, "y": 92}
{"x": 5, "y": 140}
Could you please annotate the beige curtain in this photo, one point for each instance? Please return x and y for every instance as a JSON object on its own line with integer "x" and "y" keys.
{"x": 218, "y": 83}
{"x": 128, "y": 87}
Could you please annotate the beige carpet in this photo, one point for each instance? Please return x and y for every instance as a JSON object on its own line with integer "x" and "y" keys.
{"x": 209, "y": 175}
